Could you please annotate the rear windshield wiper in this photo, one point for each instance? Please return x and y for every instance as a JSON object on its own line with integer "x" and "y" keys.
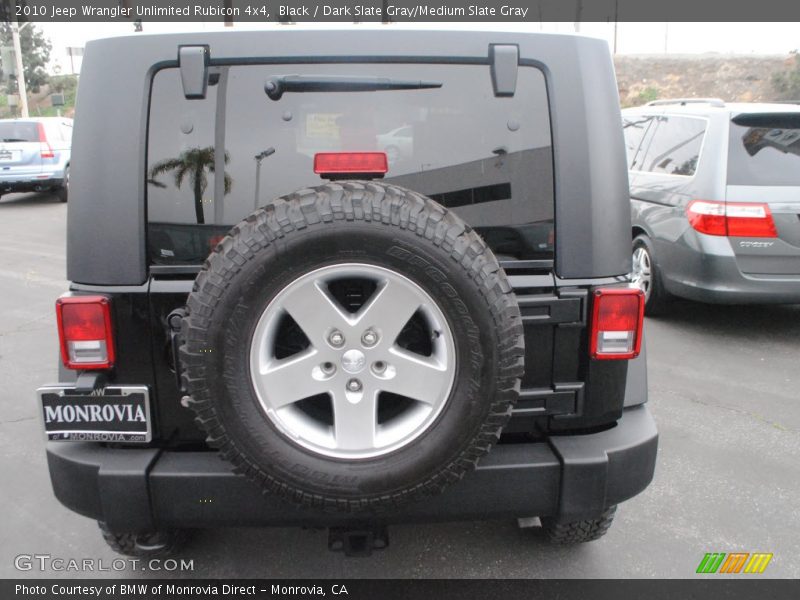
{"x": 14, "y": 140}
{"x": 277, "y": 86}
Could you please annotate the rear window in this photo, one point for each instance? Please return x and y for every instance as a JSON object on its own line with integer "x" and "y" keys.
{"x": 19, "y": 131}
{"x": 487, "y": 158}
{"x": 764, "y": 149}
{"x": 674, "y": 148}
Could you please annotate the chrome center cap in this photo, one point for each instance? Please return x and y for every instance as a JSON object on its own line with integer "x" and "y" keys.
{"x": 353, "y": 361}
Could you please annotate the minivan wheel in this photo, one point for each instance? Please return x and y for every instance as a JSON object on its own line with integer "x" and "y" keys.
{"x": 151, "y": 544}
{"x": 646, "y": 276}
{"x": 352, "y": 346}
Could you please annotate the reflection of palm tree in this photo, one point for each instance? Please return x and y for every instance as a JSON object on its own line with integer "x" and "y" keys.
{"x": 193, "y": 163}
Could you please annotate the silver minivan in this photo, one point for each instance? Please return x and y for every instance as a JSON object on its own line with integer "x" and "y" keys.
{"x": 715, "y": 201}
{"x": 35, "y": 155}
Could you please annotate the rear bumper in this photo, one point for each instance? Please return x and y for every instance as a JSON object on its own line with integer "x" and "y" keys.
{"x": 31, "y": 183}
{"x": 145, "y": 489}
{"x": 726, "y": 284}
{"x": 705, "y": 269}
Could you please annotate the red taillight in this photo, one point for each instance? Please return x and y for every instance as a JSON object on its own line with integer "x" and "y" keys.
{"x": 750, "y": 220}
{"x": 84, "y": 330}
{"x": 617, "y": 317}
{"x": 707, "y": 217}
{"x": 44, "y": 147}
{"x": 734, "y": 219}
{"x": 351, "y": 163}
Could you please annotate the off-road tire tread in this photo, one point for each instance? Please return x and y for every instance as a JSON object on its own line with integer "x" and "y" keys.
{"x": 576, "y": 532}
{"x": 126, "y": 543}
{"x": 390, "y": 206}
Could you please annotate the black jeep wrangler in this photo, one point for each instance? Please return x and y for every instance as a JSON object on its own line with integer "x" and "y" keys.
{"x": 348, "y": 279}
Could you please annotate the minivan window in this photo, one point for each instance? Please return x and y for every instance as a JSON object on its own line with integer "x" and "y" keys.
{"x": 675, "y": 146}
{"x": 19, "y": 131}
{"x": 485, "y": 157}
{"x": 764, "y": 150}
{"x": 634, "y": 128}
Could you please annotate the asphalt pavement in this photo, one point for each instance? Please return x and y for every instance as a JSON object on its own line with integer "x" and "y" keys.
{"x": 723, "y": 388}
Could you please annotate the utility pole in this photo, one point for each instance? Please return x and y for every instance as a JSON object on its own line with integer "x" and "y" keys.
{"x": 578, "y": 15}
{"x": 23, "y": 92}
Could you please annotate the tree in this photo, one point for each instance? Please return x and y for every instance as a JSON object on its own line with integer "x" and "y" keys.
{"x": 786, "y": 83}
{"x": 193, "y": 163}
{"x": 35, "y": 54}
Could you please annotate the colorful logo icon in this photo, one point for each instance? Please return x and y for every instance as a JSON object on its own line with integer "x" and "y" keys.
{"x": 734, "y": 562}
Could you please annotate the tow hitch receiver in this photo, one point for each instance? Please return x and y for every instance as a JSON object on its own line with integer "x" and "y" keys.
{"x": 358, "y": 541}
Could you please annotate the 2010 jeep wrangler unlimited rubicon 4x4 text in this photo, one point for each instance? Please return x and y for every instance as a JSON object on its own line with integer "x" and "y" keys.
{"x": 348, "y": 279}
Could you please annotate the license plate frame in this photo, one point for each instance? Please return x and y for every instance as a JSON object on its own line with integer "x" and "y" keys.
{"x": 88, "y": 420}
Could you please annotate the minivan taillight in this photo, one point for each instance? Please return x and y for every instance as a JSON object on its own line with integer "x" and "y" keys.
{"x": 616, "y": 329}
{"x": 44, "y": 146}
{"x": 84, "y": 330}
{"x": 734, "y": 219}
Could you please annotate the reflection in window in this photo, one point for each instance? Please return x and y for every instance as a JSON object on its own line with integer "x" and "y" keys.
{"x": 193, "y": 166}
{"x": 634, "y": 128}
{"x": 675, "y": 146}
{"x": 487, "y": 158}
{"x": 767, "y": 153}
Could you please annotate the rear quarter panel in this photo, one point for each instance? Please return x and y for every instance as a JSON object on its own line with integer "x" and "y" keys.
{"x": 659, "y": 201}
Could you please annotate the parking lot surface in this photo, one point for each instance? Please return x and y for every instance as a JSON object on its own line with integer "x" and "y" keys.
{"x": 723, "y": 387}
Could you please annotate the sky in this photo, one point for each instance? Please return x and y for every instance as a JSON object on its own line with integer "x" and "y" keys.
{"x": 632, "y": 38}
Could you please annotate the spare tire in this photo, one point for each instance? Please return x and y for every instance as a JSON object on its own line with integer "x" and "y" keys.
{"x": 352, "y": 346}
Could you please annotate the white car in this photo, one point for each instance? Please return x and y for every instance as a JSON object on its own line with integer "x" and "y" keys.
{"x": 35, "y": 155}
{"x": 397, "y": 144}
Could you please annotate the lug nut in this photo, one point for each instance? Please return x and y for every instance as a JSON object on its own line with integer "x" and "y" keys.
{"x": 370, "y": 338}
{"x": 354, "y": 385}
{"x": 336, "y": 338}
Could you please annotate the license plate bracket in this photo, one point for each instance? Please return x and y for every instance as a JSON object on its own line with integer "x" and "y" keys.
{"x": 110, "y": 414}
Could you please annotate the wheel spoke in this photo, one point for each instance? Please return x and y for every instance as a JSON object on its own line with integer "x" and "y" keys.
{"x": 355, "y": 419}
{"x": 389, "y": 310}
{"x": 351, "y": 358}
{"x": 290, "y": 379}
{"x": 417, "y": 377}
{"x": 315, "y": 311}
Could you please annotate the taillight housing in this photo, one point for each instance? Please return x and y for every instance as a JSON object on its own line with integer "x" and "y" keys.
{"x": 44, "y": 146}
{"x": 85, "y": 332}
{"x": 616, "y": 328}
{"x": 351, "y": 163}
{"x": 734, "y": 219}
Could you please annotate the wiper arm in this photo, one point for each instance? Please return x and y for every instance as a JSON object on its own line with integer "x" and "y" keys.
{"x": 277, "y": 86}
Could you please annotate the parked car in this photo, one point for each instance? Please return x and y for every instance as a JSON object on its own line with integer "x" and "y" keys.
{"x": 35, "y": 155}
{"x": 455, "y": 338}
{"x": 715, "y": 201}
{"x": 398, "y": 144}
